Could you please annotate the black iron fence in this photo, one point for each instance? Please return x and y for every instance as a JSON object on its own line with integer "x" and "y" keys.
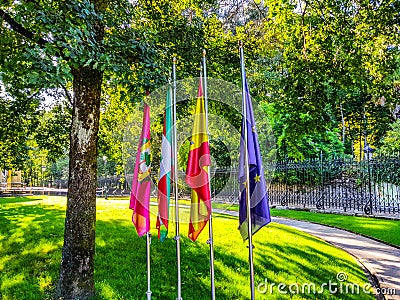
{"x": 370, "y": 186}
{"x": 342, "y": 184}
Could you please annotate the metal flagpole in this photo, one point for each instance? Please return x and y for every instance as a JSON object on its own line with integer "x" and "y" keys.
{"x": 148, "y": 239}
{"x": 210, "y": 226}
{"x": 175, "y": 162}
{"x": 246, "y": 161}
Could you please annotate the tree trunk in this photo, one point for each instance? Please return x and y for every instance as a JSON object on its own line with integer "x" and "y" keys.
{"x": 343, "y": 124}
{"x": 77, "y": 265}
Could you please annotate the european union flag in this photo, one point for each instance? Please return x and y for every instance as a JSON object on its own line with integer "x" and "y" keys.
{"x": 259, "y": 207}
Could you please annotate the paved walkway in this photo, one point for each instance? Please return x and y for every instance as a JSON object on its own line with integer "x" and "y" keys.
{"x": 381, "y": 260}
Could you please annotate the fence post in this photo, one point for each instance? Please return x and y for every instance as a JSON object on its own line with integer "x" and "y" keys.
{"x": 285, "y": 201}
{"x": 320, "y": 202}
{"x": 368, "y": 206}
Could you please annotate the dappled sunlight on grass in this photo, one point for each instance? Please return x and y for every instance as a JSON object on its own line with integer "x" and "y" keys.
{"x": 42, "y": 247}
{"x": 9, "y": 200}
{"x": 303, "y": 259}
{"x": 282, "y": 254}
{"x": 45, "y": 281}
{"x": 32, "y": 238}
{"x": 9, "y": 281}
{"x": 107, "y": 291}
{"x": 30, "y": 253}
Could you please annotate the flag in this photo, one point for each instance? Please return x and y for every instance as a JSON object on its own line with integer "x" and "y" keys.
{"x": 140, "y": 194}
{"x": 196, "y": 172}
{"x": 164, "y": 182}
{"x": 259, "y": 207}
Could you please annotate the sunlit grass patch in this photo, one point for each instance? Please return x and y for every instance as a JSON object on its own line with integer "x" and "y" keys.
{"x": 30, "y": 255}
{"x": 282, "y": 254}
{"x": 107, "y": 291}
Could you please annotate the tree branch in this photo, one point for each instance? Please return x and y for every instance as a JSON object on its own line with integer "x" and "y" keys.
{"x": 33, "y": 1}
{"x": 20, "y": 29}
{"x": 29, "y": 34}
{"x": 303, "y": 31}
{"x": 69, "y": 98}
{"x": 262, "y": 13}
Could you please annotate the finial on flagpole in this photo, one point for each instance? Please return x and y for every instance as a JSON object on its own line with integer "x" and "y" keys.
{"x": 241, "y": 44}
{"x": 174, "y": 60}
{"x": 204, "y": 52}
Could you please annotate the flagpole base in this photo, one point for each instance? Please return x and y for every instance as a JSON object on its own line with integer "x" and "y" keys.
{"x": 148, "y": 293}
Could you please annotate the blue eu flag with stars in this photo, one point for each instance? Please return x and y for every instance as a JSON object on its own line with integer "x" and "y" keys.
{"x": 259, "y": 207}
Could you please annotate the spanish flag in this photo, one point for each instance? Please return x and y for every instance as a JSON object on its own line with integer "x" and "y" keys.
{"x": 197, "y": 176}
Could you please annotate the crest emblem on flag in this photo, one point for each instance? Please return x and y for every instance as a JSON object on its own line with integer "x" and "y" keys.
{"x": 144, "y": 165}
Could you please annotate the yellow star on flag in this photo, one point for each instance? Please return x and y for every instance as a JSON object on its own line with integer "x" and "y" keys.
{"x": 257, "y": 178}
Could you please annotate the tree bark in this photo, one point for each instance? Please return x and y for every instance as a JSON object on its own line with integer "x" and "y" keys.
{"x": 343, "y": 124}
{"x": 77, "y": 265}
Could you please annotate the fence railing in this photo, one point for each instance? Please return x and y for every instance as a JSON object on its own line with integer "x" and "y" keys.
{"x": 340, "y": 184}
{"x": 370, "y": 186}
{"x": 343, "y": 184}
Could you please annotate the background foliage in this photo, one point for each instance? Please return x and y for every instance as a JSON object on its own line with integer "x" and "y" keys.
{"x": 324, "y": 72}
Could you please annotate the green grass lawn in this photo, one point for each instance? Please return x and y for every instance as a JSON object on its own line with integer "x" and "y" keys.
{"x": 31, "y": 238}
{"x": 382, "y": 229}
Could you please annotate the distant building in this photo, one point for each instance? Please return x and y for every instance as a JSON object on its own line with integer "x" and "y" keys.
{"x": 9, "y": 177}
{"x": 3, "y": 176}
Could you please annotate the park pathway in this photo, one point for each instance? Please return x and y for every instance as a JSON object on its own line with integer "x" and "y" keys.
{"x": 381, "y": 260}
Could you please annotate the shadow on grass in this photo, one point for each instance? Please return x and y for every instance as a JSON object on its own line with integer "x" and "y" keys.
{"x": 9, "y": 200}
{"x": 316, "y": 262}
{"x": 224, "y": 217}
{"x": 30, "y": 251}
{"x": 121, "y": 264}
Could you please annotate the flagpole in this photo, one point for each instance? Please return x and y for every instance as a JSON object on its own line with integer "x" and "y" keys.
{"x": 148, "y": 240}
{"x": 246, "y": 162}
{"x": 210, "y": 226}
{"x": 175, "y": 162}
